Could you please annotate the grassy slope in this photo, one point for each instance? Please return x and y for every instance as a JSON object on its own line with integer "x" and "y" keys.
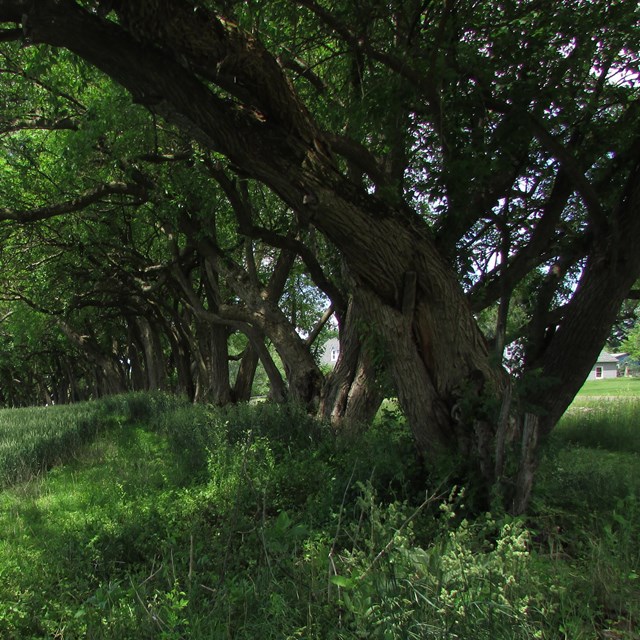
{"x": 178, "y": 522}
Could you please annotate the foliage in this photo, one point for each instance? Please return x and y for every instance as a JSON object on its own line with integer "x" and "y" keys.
{"x": 499, "y": 131}
{"x": 631, "y": 343}
{"x": 472, "y": 580}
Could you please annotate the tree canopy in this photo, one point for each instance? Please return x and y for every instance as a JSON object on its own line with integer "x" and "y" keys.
{"x": 190, "y": 188}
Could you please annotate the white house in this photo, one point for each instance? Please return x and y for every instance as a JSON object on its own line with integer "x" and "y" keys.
{"x": 605, "y": 367}
{"x": 330, "y": 352}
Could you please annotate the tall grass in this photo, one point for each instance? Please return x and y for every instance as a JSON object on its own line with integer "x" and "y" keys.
{"x": 194, "y": 522}
{"x": 587, "y": 517}
{"x": 34, "y": 439}
{"x": 612, "y": 424}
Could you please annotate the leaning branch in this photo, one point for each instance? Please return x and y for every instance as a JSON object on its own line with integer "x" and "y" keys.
{"x": 37, "y": 123}
{"x": 571, "y": 166}
{"x": 315, "y": 332}
{"x": 287, "y": 243}
{"x": 92, "y": 196}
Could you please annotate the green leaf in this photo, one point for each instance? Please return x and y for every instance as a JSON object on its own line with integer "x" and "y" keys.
{"x": 343, "y": 582}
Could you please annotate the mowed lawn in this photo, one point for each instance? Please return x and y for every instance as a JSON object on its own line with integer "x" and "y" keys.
{"x": 615, "y": 387}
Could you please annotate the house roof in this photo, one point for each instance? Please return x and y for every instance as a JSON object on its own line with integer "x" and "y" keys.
{"x": 605, "y": 356}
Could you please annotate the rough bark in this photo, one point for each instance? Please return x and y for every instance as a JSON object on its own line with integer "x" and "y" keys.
{"x": 246, "y": 374}
{"x": 352, "y": 393}
{"x": 214, "y": 337}
{"x": 181, "y": 356}
{"x": 155, "y": 369}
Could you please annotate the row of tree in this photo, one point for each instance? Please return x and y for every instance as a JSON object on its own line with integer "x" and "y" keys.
{"x": 457, "y": 183}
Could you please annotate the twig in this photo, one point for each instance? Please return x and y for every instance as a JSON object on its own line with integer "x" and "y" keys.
{"x": 153, "y": 573}
{"x": 191, "y": 558}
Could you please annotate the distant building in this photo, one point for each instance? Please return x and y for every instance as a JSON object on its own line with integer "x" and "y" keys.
{"x": 605, "y": 367}
{"x": 330, "y": 352}
{"x": 627, "y": 366}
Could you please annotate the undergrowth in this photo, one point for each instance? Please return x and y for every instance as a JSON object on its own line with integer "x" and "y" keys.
{"x": 174, "y": 521}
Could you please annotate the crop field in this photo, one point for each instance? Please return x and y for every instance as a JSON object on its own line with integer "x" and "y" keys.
{"x": 34, "y": 439}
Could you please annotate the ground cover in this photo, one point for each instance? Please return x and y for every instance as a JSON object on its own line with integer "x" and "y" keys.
{"x": 177, "y": 521}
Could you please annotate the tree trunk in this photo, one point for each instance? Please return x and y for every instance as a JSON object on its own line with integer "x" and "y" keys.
{"x": 181, "y": 357}
{"x": 214, "y": 337}
{"x": 153, "y": 354}
{"x": 303, "y": 375}
{"x": 527, "y": 464}
{"x": 415, "y": 304}
{"x": 137, "y": 378}
{"x": 352, "y": 393}
{"x": 246, "y": 374}
{"x": 108, "y": 376}
{"x": 447, "y": 384}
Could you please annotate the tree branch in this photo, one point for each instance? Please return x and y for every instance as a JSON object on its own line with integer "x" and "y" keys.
{"x": 359, "y": 155}
{"x": 288, "y": 243}
{"x": 572, "y": 168}
{"x": 10, "y": 35}
{"x": 315, "y": 332}
{"x": 76, "y": 204}
{"x": 534, "y": 253}
{"x": 38, "y": 123}
{"x": 358, "y": 41}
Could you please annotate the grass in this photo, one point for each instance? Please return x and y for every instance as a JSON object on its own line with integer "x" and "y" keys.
{"x": 609, "y": 425}
{"x": 587, "y": 513}
{"x": 34, "y": 439}
{"x": 176, "y": 521}
{"x": 67, "y": 535}
{"x": 614, "y": 387}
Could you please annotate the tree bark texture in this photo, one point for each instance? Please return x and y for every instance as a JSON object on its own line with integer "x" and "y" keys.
{"x": 351, "y": 394}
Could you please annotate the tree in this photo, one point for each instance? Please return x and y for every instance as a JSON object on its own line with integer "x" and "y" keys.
{"x": 455, "y": 154}
{"x": 632, "y": 343}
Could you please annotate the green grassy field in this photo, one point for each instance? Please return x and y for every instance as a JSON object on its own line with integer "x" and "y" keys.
{"x": 615, "y": 387}
{"x": 171, "y": 521}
